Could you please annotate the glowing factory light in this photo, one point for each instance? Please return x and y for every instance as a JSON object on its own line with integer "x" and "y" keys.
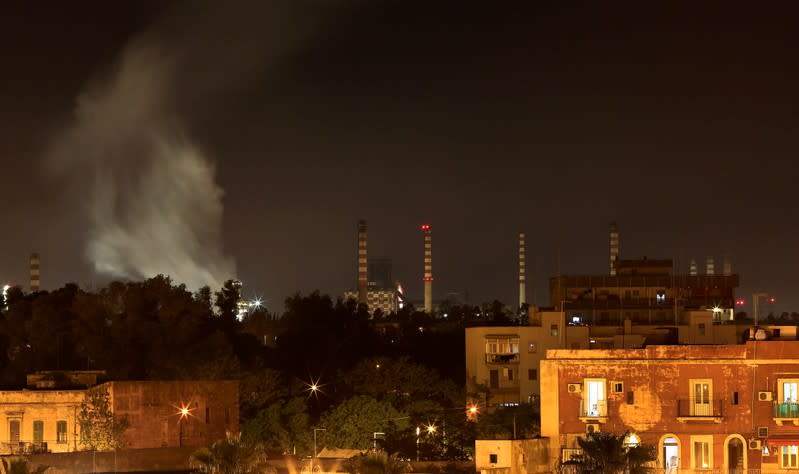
{"x": 431, "y": 428}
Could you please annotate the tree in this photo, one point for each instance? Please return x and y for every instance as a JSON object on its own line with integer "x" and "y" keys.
{"x": 231, "y": 456}
{"x": 353, "y": 423}
{"x": 21, "y": 466}
{"x": 100, "y": 429}
{"x": 605, "y": 453}
{"x": 376, "y": 463}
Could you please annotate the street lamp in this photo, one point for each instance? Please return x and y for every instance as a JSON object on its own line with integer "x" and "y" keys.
{"x": 374, "y": 439}
{"x": 314, "y": 445}
{"x": 184, "y": 411}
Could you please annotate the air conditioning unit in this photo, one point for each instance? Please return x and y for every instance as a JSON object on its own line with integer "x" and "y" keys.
{"x": 755, "y": 444}
{"x": 764, "y": 396}
{"x": 575, "y": 388}
{"x": 592, "y": 428}
{"x": 762, "y": 431}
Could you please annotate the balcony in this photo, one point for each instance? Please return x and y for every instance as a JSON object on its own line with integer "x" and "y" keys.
{"x": 502, "y": 358}
{"x": 693, "y": 410}
{"x": 786, "y": 411}
{"x": 596, "y": 412}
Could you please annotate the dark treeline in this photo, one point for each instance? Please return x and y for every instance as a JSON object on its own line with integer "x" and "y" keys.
{"x": 376, "y": 373}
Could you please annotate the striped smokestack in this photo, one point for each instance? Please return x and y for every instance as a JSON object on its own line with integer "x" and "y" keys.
{"x": 522, "y": 276}
{"x": 710, "y": 267}
{"x": 35, "y": 277}
{"x": 363, "y": 278}
{"x": 428, "y": 269}
{"x": 614, "y": 248}
{"x": 693, "y": 271}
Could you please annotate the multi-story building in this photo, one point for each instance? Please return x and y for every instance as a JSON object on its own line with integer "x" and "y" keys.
{"x": 645, "y": 292}
{"x": 705, "y": 408}
{"x": 44, "y": 418}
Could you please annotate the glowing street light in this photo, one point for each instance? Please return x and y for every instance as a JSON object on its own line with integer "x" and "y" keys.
{"x": 184, "y": 411}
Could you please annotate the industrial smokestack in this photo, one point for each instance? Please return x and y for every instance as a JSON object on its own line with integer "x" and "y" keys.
{"x": 35, "y": 276}
{"x": 710, "y": 267}
{"x": 614, "y": 248}
{"x": 428, "y": 269}
{"x": 363, "y": 278}
{"x": 522, "y": 268}
{"x": 727, "y": 268}
{"x": 693, "y": 271}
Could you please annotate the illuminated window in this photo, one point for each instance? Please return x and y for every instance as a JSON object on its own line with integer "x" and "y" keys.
{"x": 788, "y": 457}
{"x": 702, "y": 454}
{"x": 61, "y": 432}
{"x": 616, "y": 387}
{"x": 660, "y": 297}
{"x": 553, "y": 330}
{"x": 531, "y": 347}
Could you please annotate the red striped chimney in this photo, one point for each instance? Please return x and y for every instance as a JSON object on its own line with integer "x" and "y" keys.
{"x": 522, "y": 276}
{"x": 614, "y": 248}
{"x": 363, "y": 278}
{"x": 428, "y": 269}
{"x": 35, "y": 277}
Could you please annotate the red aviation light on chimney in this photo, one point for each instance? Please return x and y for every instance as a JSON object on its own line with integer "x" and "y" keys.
{"x": 425, "y": 226}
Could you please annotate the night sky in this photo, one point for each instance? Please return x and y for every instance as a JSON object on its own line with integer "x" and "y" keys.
{"x": 482, "y": 119}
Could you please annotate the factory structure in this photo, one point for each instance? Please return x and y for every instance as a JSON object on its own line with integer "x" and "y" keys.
{"x": 376, "y": 289}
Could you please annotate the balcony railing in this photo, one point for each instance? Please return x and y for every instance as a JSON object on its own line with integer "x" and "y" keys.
{"x": 786, "y": 411}
{"x": 595, "y": 410}
{"x": 502, "y": 358}
{"x": 711, "y": 409}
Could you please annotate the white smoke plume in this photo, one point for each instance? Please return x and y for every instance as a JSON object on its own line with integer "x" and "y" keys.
{"x": 153, "y": 204}
{"x": 152, "y": 201}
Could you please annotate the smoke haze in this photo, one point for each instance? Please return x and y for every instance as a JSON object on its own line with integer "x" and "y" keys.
{"x": 152, "y": 202}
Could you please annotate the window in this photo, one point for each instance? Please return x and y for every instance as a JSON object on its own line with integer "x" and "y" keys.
{"x": 492, "y": 458}
{"x": 630, "y": 398}
{"x": 700, "y": 398}
{"x": 508, "y": 373}
{"x": 38, "y": 431}
{"x": 660, "y": 297}
{"x": 616, "y": 387}
{"x": 701, "y": 329}
{"x": 502, "y": 345}
{"x": 532, "y": 374}
{"x": 788, "y": 398}
{"x": 531, "y": 348}
{"x": 594, "y": 400}
{"x": 61, "y": 431}
{"x": 493, "y": 378}
{"x": 734, "y": 398}
{"x": 702, "y": 454}
{"x": 207, "y": 415}
{"x": 553, "y": 330}
{"x": 788, "y": 457}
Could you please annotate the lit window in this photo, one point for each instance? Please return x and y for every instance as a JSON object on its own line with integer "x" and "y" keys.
{"x": 61, "y": 432}
{"x": 553, "y": 330}
{"x": 531, "y": 347}
{"x": 702, "y": 453}
{"x": 788, "y": 456}
{"x": 660, "y": 297}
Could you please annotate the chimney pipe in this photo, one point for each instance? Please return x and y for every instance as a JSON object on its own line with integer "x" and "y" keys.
{"x": 727, "y": 268}
{"x": 693, "y": 271}
{"x": 710, "y": 268}
{"x": 428, "y": 269}
{"x": 522, "y": 269}
{"x": 614, "y": 248}
{"x": 35, "y": 277}
{"x": 363, "y": 279}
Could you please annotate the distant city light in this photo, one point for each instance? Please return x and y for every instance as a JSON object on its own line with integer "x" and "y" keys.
{"x": 740, "y": 302}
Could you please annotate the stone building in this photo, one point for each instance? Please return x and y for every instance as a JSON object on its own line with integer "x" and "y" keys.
{"x": 705, "y": 408}
{"x": 43, "y": 418}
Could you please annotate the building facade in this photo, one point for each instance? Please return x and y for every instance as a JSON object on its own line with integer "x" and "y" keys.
{"x": 706, "y": 408}
{"x": 45, "y": 418}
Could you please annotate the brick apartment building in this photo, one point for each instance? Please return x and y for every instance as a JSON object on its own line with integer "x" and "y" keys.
{"x": 724, "y": 408}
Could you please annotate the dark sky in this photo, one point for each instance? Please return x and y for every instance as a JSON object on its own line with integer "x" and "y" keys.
{"x": 483, "y": 119}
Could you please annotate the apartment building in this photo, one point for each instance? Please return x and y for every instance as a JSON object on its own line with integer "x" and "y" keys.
{"x": 705, "y": 407}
